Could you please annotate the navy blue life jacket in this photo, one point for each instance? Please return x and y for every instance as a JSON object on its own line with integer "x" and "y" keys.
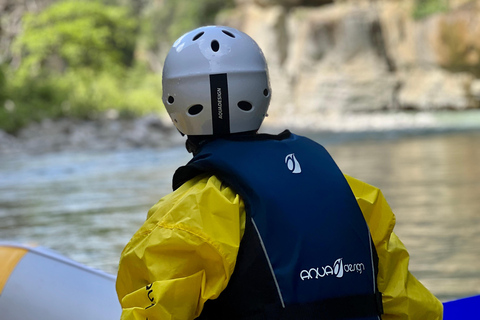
{"x": 307, "y": 252}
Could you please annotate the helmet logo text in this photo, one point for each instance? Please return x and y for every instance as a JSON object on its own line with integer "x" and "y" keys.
{"x": 219, "y": 103}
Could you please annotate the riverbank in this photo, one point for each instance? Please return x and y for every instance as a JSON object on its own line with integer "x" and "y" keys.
{"x": 157, "y": 132}
{"x": 95, "y": 135}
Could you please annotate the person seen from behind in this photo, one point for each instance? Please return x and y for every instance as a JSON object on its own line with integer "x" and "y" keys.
{"x": 259, "y": 226}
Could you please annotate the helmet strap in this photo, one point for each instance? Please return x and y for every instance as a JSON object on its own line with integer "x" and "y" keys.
{"x": 194, "y": 143}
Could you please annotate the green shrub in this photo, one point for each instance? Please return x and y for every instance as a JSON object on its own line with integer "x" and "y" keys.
{"x": 165, "y": 23}
{"x": 135, "y": 93}
{"x": 76, "y": 34}
{"x": 76, "y": 61}
{"x": 82, "y": 94}
{"x": 425, "y": 8}
{"x": 3, "y": 86}
{"x": 31, "y": 100}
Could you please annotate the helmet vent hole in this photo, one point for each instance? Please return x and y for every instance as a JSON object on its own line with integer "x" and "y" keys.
{"x": 231, "y": 35}
{"x": 170, "y": 100}
{"x": 245, "y": 105}
{"x": 266, "y": 93}
{"x": 215, "y": 45}
{"x": 198, "y": 36}
{"x": 195, "y": 109}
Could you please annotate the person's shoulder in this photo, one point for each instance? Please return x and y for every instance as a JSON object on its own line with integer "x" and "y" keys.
{"x": 206, "y": 183}
{"x": 365, "y": 193}
{"x": 192, "y": 205}
{"x": 378, "y": 214}
{"x": 361, "y": 188}
{"x": 203, "y": 189}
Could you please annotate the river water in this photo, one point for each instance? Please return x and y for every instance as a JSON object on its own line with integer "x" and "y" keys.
{"x": 86, "y": 205}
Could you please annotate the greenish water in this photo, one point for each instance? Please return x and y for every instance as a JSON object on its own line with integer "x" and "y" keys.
{"x": 87, "y": 205}
{"x": 432, "y": 183}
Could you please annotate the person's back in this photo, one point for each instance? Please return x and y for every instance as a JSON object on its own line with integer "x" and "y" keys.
{"x": 306, "y": 251}
{"x": 259, "y": 226}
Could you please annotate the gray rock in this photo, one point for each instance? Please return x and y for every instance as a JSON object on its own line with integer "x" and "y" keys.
{"x": 364, "y": 56}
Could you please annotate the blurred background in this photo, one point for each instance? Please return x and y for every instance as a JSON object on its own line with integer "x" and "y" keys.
{"x": 391, "y": 88}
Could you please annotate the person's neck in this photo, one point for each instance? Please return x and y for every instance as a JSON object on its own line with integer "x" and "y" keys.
{"x": 195, "y": 143}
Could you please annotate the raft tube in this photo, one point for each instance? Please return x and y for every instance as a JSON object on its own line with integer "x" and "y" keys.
{"x": 39, "y": 284}
{"x": 462, "y": 309}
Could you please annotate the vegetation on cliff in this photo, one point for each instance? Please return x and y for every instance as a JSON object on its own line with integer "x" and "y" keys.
{"x": 424, "y": 8}
{"x": 82, "y": 59}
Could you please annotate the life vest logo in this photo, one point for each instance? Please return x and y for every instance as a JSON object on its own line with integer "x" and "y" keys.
{"x": 337, "y": 270}
{"x": 292, "y": 163}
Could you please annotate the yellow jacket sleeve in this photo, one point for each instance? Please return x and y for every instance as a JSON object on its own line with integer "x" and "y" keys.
{"x": 404, "y": 297}
{"x": 184, "y": 254}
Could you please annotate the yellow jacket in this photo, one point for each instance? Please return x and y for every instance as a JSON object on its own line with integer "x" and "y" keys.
{"x": 185, "y": 253}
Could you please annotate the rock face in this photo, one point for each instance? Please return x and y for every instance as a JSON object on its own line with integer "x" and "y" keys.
{"x": 327, "y": 59}
{"x": 364, "y": 55}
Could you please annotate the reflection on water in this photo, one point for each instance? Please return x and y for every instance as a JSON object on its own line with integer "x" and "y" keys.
{"x": 432, "y": 184}
{"x": 87, "y": 205}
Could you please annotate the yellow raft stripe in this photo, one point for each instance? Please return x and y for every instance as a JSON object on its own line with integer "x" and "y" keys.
{"x": 9, "y": 257}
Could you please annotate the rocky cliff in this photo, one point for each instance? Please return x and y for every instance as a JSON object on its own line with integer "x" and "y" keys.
{"x": 327, "y": 57}
{"x": 346, "y": 55}
{"x": 335, "y": 65}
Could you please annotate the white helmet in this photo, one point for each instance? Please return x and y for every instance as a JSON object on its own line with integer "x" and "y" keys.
{"x": 215, "y": 82}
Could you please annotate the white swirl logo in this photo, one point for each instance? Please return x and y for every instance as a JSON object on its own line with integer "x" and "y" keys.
{"x": 292, "y": 163}
{"x": 338, "y": 268}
